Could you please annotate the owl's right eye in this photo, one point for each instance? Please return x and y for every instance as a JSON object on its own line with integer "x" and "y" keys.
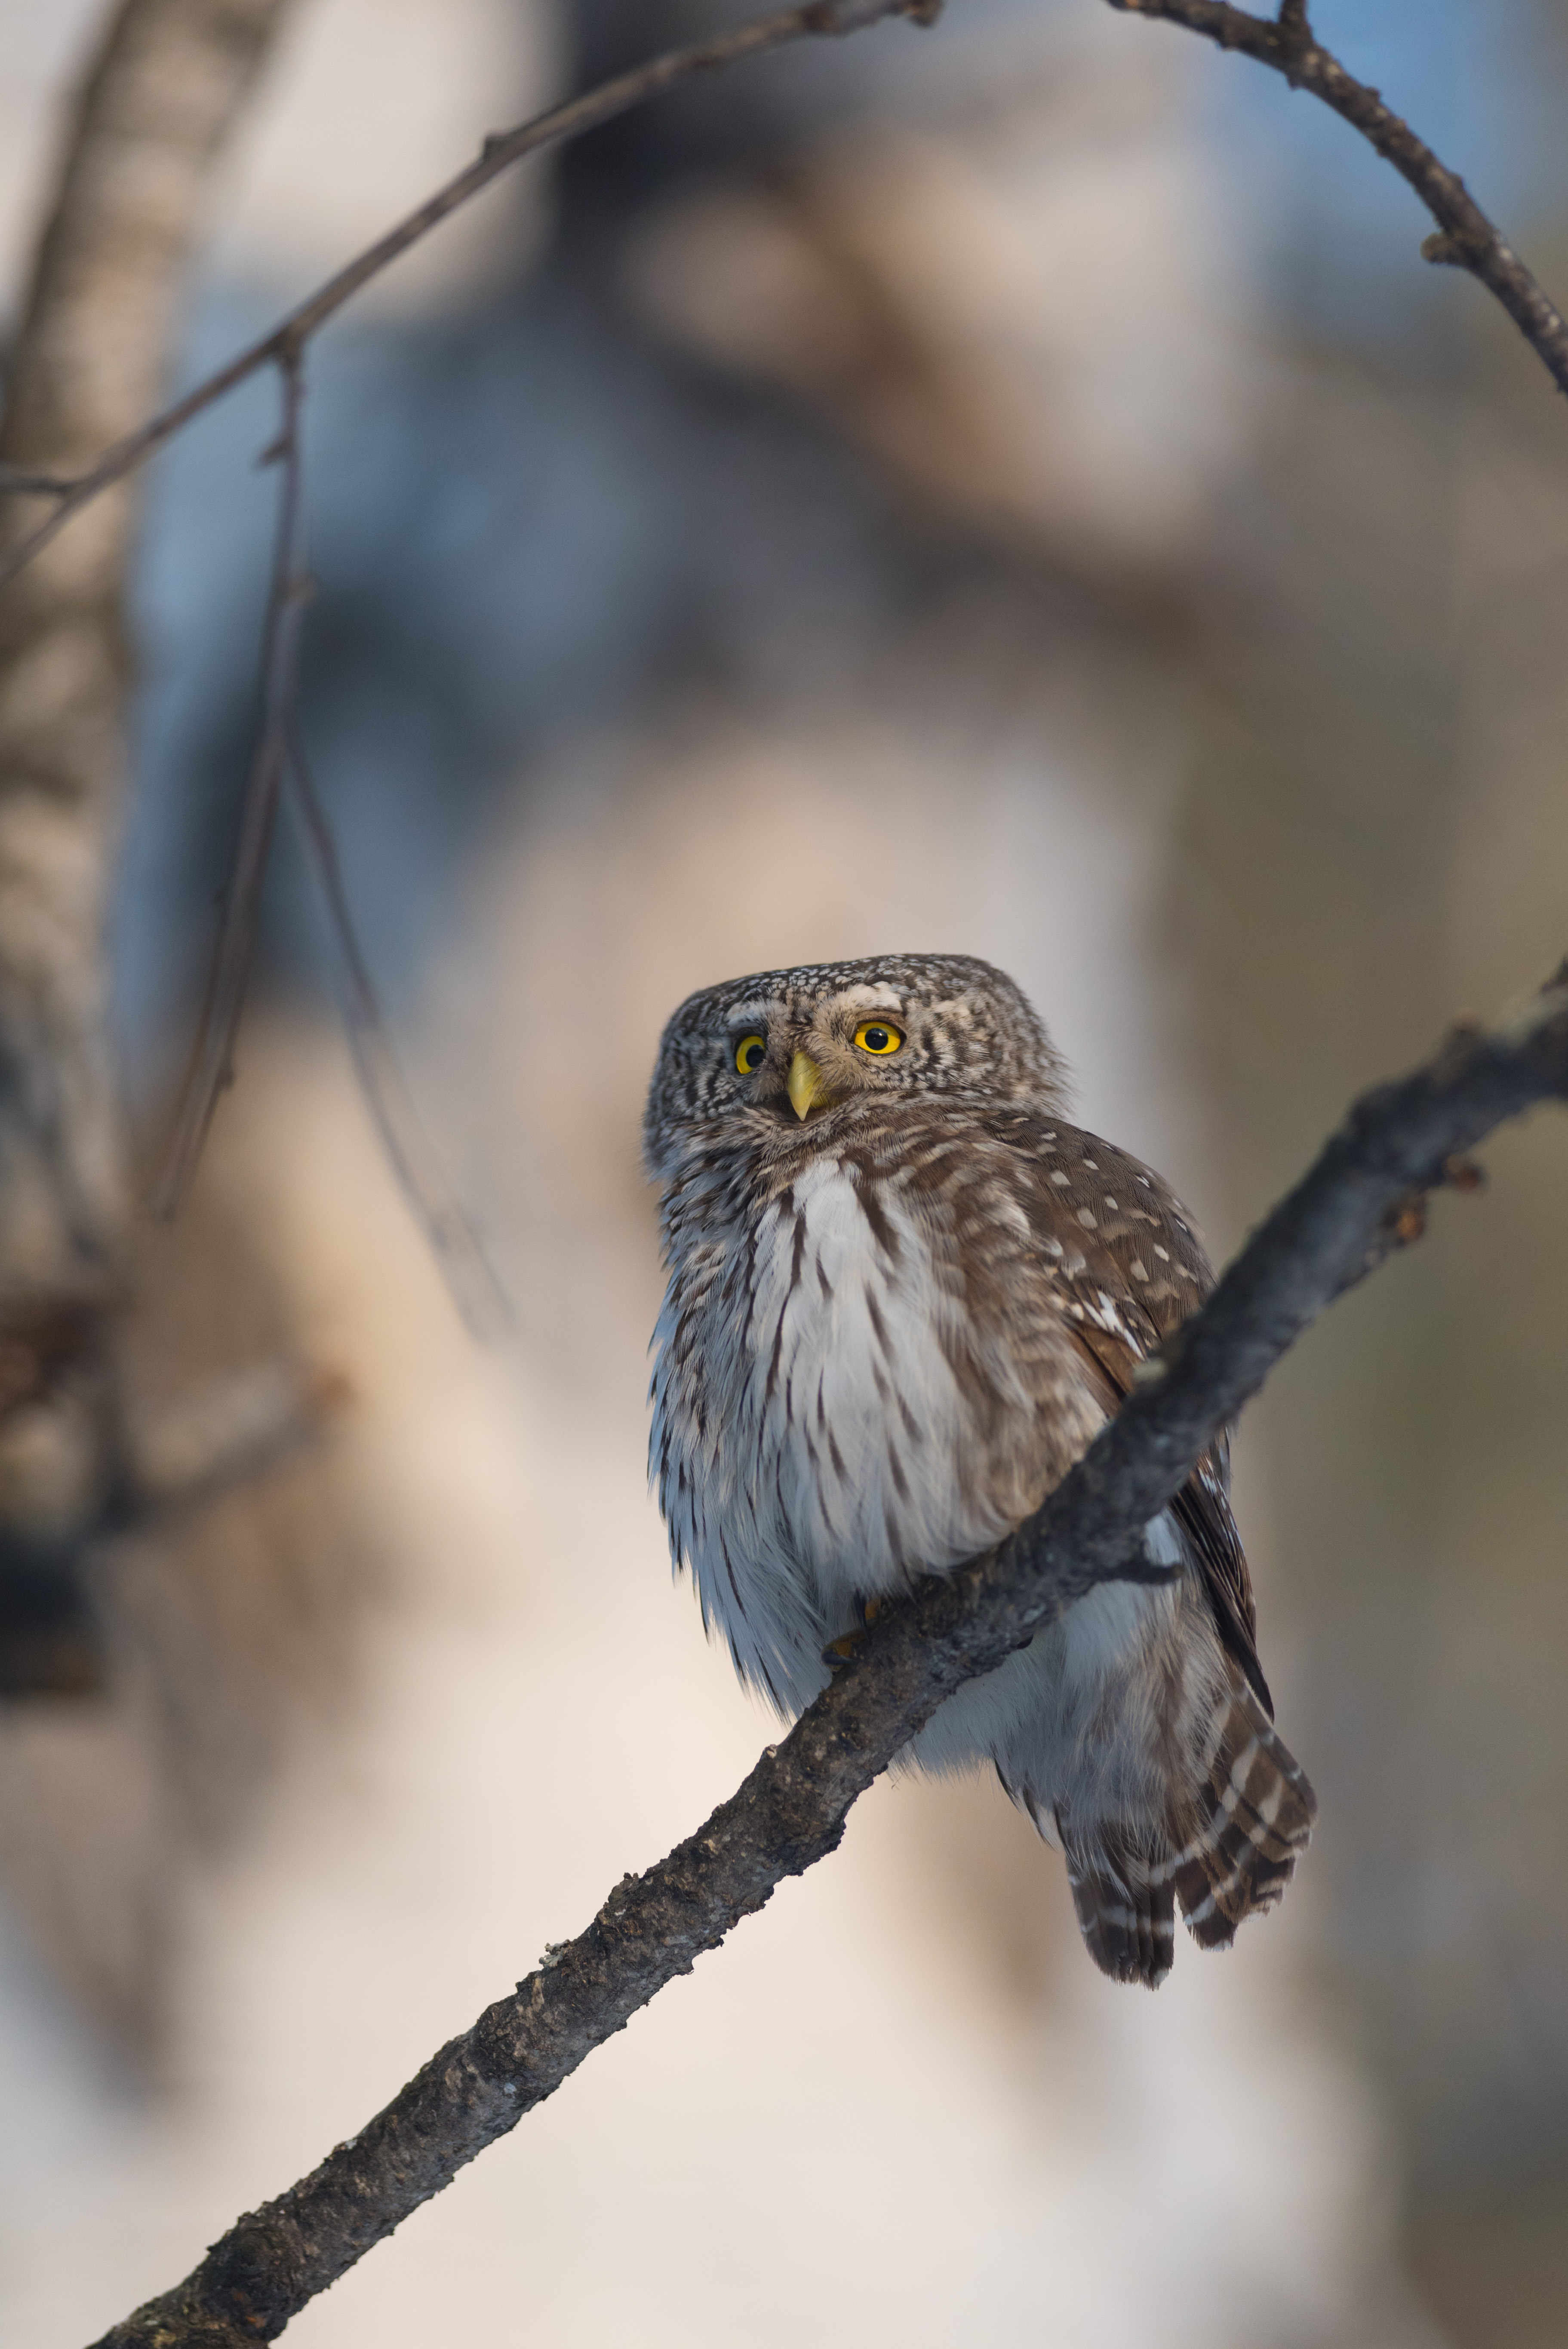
{"x": 749, "y": 1054}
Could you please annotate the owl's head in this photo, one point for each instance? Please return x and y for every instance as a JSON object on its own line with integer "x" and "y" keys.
{"x": 785, "y": 1049}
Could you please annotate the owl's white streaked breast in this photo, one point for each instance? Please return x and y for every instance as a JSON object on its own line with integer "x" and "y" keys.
{"x": 813, "y": 1439}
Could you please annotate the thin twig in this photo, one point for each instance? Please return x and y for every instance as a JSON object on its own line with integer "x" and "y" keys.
{"x": 212, "y": 1060}
{"x": 1465, "y": 238}
{"x": 498, "y": 154}
{"x": 1345, "y": 1216}
{"x": 280, "y": 759}
{"x": 452, "y": 1239}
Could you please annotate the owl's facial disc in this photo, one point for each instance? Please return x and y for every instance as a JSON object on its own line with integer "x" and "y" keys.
{"x": 886, "y": 1029}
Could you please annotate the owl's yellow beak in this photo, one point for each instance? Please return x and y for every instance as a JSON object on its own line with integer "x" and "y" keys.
{"x": 807, "y": 1084}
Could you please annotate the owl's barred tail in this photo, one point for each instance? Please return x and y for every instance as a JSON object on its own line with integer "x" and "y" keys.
{"x": 1247, "y": 1825}
{"x": 1242, "y": 1829}
{"x": 1126, "y": 1904}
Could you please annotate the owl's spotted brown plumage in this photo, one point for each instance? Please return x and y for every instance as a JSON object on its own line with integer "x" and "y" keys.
{"x": 905, "y": 1294}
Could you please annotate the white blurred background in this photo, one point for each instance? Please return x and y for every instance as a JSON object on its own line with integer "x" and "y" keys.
{"x": 1009, "y": 488}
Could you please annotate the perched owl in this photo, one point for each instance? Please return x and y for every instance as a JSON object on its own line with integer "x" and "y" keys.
{"x": 904, "y": 1295}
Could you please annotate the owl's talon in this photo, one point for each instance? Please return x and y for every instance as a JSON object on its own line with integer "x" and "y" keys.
{"x": 838, "y": 1652}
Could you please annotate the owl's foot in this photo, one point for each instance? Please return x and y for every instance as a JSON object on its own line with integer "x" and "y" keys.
{"x": 838, "y": 1652}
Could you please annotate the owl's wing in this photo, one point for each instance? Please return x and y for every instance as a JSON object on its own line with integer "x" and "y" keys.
{"x": 1129, "y": 1266}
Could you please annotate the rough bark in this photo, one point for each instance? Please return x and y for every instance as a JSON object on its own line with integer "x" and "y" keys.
{"x": 1362, "y": 1199}
{"x": 87, "y": 360}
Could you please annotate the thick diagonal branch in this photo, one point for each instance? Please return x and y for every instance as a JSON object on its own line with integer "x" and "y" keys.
{"x": 1353, "y": 1206}
{"x": 1465, "y": 238}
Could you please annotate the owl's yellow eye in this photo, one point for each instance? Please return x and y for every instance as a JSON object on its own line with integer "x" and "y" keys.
{"x": 749, "y": 1054}
{"x": 878, "y": 1036}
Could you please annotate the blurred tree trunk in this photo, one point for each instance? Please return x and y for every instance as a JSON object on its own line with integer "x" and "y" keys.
{"x": 87, "y": 363}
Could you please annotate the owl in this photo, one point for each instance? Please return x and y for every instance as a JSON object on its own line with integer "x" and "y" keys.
{"x": 904, "y": 1295}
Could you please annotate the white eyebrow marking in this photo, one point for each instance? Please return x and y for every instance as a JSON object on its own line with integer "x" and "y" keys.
{"x": 871, "y": 995}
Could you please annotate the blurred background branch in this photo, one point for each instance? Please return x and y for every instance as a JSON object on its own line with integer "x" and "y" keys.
{"x": 212, "y": 1059}
{"x": 280, "y": 760}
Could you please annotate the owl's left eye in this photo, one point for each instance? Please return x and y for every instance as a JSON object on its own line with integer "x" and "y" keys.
{"x": 749, "y": 1054}
{"x": 878, "y": 1036}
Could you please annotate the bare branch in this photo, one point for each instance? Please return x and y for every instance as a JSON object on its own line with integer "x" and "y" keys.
{"x": 1465, "y": 237}
{"x": 1397, "y": 1142}
{"x": 280, "y": 758}
{"x": 498, "y": 154}
{"x": 212, "y": 1062}
{"x": 450, "y": 1235}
